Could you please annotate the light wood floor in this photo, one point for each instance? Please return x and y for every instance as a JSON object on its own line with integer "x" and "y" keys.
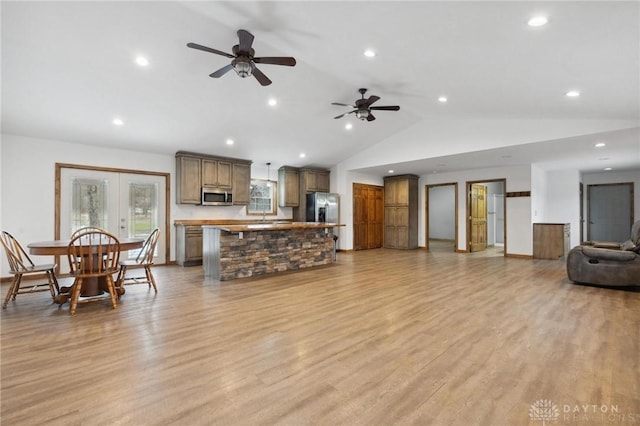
{"x": 383, "y": 337}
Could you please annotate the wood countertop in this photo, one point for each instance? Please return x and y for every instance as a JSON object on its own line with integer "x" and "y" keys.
{"x": 271, "y": 226}
{"x": 200, "y": 222}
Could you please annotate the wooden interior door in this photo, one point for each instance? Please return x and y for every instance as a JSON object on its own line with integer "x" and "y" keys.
{"x": 368, "y": 216}
{"x": 478, "y": 217}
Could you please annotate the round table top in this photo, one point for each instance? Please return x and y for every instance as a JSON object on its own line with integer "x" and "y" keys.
{"x": 60, "y": 247}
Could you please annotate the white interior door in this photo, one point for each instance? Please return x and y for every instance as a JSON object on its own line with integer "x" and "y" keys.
{"x": 126, "y": 205}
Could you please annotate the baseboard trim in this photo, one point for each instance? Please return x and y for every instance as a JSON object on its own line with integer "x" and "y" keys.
{"x": 519, "y": 256}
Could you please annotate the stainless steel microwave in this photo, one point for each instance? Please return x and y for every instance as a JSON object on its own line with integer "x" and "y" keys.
{"x": 216, "y": 197}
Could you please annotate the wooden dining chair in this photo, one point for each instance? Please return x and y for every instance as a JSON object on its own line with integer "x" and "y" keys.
{"x": 85, "y": 229}
{"x": 93, "y": 255}
{"x": 20, "y": 265}
{"x": 144, "y": 260}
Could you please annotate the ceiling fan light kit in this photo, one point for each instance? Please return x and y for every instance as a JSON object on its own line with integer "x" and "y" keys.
{"x": 363, "y": 107}
{"x": 243, "y": 59}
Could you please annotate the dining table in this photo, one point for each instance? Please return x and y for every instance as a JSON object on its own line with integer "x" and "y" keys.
{"x": 91, "y": 287}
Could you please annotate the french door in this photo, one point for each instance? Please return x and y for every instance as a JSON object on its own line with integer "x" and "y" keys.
{"x": 128, "y": 205}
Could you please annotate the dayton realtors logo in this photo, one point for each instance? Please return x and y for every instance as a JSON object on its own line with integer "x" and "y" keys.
{"x": 544, "y": 410}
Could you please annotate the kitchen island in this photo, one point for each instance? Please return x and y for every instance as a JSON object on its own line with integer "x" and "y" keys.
{"x": 253, "y": 249}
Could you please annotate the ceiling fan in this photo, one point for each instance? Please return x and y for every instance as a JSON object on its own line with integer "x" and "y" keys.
{"x": 243, "y": 62}
{"x": 363, "y": 107}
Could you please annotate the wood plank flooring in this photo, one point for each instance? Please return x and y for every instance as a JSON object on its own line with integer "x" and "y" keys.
{"x": 382, "y": 337}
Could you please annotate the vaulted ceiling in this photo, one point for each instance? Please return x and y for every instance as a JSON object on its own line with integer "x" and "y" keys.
{"x": 68, "y": 69}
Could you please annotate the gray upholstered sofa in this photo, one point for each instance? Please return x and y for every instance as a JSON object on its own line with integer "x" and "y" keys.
{"x": 611, "y": 264}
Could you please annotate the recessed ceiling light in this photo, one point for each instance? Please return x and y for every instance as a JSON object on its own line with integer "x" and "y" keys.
{"x": 302, "y": 155}
{"x": 600, "y": 144}
{"x": 391, "y": 171}
{"x": 229, "y": 142}
{"x": 573, "y": 94}
{"x": 142, "y": 61}
{"x": 369, "y": 53}
{"x": 272, "y": 102}
{"x": 608, "y": 168}
{"x": 442, "y": 99}
{"x": 118, "y": 121}
{"x": 348, "y": 126}
{"x": 538, "y": 21}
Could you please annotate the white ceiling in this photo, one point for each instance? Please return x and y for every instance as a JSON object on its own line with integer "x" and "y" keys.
{"x": 68, "y": 69}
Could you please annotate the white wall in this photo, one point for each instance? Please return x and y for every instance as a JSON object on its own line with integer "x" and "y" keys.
{"x": 563, "y": 201}
{"x": 612, "y": 177}
{"x": 518, "y": 209}
{"x": 538, "y": 194}
{"x": 27, "y": 167}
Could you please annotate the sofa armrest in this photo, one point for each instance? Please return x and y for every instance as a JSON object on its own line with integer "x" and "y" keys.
{"x": 606, "y": 254}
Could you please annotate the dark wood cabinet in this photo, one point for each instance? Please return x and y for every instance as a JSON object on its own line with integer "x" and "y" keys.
{"x": 314, "y": 180}
{"x": 193, "y": 171}
{"x": 311, "y": 180}
{"x": 217, "y": 173}
{"x": 188, "y": 245}
{"x": 551, "y": 240}
{"x": 401, "y": 212}
{"x": 241, "y": 184}
{"x": 288, "y": 187}
{"x": 188, "y": 179}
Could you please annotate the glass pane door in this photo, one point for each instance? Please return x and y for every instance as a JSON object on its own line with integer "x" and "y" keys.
{"x": 125, "y": 204}
{"x": 142, "y": 209}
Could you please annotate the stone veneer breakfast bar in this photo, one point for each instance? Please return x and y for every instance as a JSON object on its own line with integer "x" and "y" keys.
{"x": 247, "y": 250}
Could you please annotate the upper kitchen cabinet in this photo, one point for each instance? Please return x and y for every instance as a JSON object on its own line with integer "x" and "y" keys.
{"x": 188, "y": 179}
{"x": 314, "y": 180}
{"x": 217, "y": 173}
{"x": 193, "y": 171}
{"x": 288, "y": 187}
{"x": 241, "y": 183}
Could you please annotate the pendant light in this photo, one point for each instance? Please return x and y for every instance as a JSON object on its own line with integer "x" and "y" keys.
{"x": 269, "y": 174}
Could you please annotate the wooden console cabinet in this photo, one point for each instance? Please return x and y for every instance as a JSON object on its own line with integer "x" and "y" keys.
{"x": 551, "y": 240}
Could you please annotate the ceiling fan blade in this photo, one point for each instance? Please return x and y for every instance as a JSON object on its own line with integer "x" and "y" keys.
{"x": 222, "y": 71}
{"x": 387, "y": 108}
{"x": 338, "y": 103}
{"x": 262, "y": 79}
{"x": 210, "y": 50}
{"x": 246, "y": 40}
{"x": 342, "y": 115}
{"x": 279, "y": 60}
{"x": 370, "y": 117}
{"x": 371, "y": 100}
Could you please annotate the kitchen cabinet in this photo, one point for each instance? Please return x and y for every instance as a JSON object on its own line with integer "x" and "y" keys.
{"x": 241, "y": 183}
{"x": 551, "y": 240}
{"x": 311, "y": 180}
{"x": 189, "y": 245}
{"x": 314, "y": 180}
{"x": 193, "y": 171}
{"x": 288, "y": 187}
{"x": 188, "y": 179}
{"x": 216, "y": 173}
{"x": 401, "y": 212}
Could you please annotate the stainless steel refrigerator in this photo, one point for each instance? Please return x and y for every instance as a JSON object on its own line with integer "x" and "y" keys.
{"x": 322, "y": 207}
